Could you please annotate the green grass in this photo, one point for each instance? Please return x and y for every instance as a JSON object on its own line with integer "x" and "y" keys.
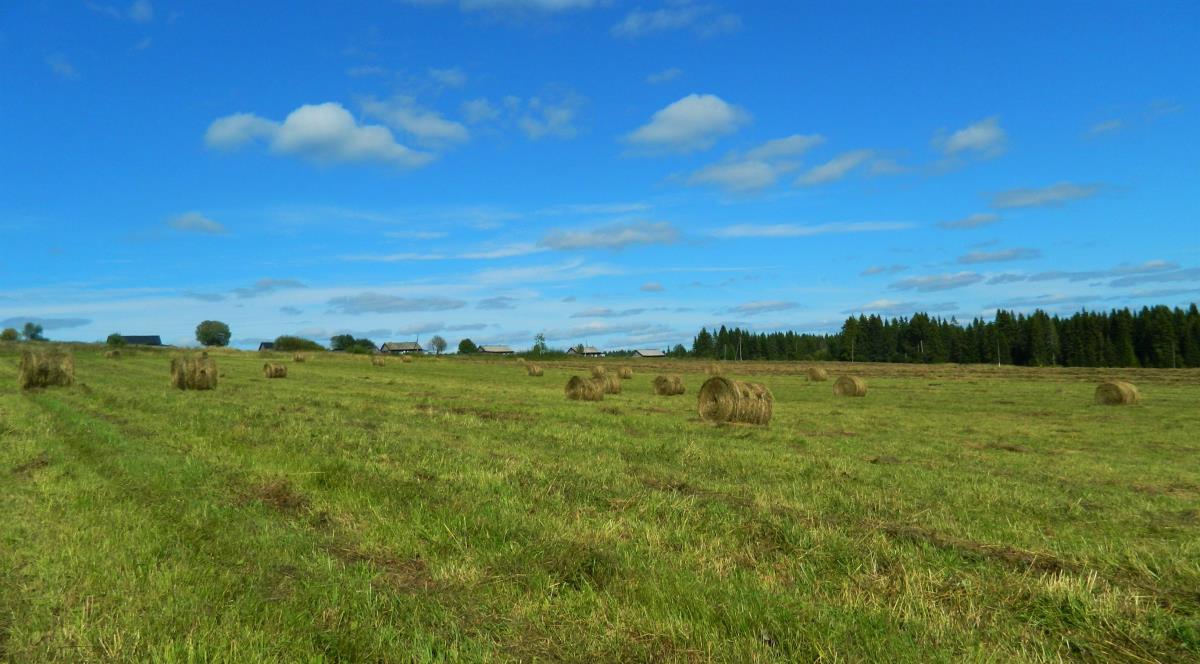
{"x": 459, "y": 510}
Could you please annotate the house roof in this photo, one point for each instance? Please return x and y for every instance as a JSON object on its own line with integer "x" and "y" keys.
{"x": 649, "y": 352}
{"x": 587, "y": 350}
{"x": 267, "y": 345}
{"x": 142, "y": 339}
{"x": 495, "y": 349}
{"x": 400, "y": 345}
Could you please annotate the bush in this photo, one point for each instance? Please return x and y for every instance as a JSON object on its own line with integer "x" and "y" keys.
{"x": 289, "y": 344}
{"x": 9, "y": 334}
{"x": 115, "y": 339}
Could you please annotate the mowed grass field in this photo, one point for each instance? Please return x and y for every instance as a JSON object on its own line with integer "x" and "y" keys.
{"x": 453, "y": 509}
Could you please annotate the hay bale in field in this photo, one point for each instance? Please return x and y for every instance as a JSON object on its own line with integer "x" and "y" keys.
{"x": 533, "y": 370}
{"x": 669, "y": 386}
{"x": 45, "y": 369}
{"x": 275, "y": 370}
{"x": 599, "y": 372}
{"x": 850, "y": 386}
{"x": 405, "y": 359}
{"x": 611, "y": 383}
{"x": 1117, "y": 393}
{"x": 194, "y": 373}
{"x": 817, "y": 375}
{"x": 713, "y": 369}
{"x": 299, "y": 357}
{"x": 625, "y": 372}
{"x": 378, "y": 361}
{"x": 725, "y": 400}
{"x": 112, "y": 354}
{"x": 584, "y": 389}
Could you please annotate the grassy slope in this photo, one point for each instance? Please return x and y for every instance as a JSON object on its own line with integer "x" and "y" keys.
{"x": 460, "y": 510}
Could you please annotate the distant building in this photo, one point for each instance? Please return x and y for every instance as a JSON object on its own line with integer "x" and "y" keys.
{"x": 495, "y": 350}
{"x": 649, "y": 352}
{"x": 588, "y": 351}
{"x": 266, "y": 345}
{"x": 400, "y": 348}
{"x": 142, "y": 340}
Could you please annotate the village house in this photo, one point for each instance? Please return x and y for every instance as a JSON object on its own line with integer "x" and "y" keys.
{"x": 400, "y": 348}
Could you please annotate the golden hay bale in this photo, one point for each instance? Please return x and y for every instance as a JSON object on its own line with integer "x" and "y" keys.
{"x": 725, "y": 400}
{"x": 275, "y": 370}
{"x": 405, "y": 359}
{"x": 817, "y": 374}
{"x": 112, "y": 354}
{"x": 194, "y": 373}
{"x": 1117, "y": 393}
{"x": 850, "y": 386}
{"x": 45, "y": 369}
{"x": 299, "y": 357}
{"x": 599, "y": 371}
{"x": 611, "y": 383}
{"x": 669, "y": 386}
{"x": 713, "y": 369}
{"x": 625, "y": 372}
{"x": 378, "y": 361}
{"x": 533, "y": 370}
{"x": 584, "y": 389}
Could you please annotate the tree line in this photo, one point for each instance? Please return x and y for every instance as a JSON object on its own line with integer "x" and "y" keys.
{"x": 1157, "y": 336}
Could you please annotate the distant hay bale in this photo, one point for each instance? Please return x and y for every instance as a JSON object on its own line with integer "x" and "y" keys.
{"x": 112, "y": 354}
{"x": 584, "y": 389}
{"x": 817, "y": 374}
{"x": 275, "y": 370}
{"x": 669, "y": 386}
{"x": 378, "y": 361}
{"x": 533, "y": 370}
{"x": 611, "y": 383}
{"x": 46, "y": 369}
{"x": 725, "y": 400}
{"x": 405, "y": 359}
{"x": 1117, "y": 393}
{"x": 850, "y": 386}
{"x": 299, "y": 357}
{"x": 625, "y": 372}
{"x": 713, "y": 369}
{"x": 194, "y": 373}
{"x": 599, "y": 371}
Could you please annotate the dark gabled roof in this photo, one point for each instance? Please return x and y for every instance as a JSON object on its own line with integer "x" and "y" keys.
{"x": 400, "y": 345}
{"x": 649, "y": 352}
{"x": 495, "y": 349}
{"x": 267, "y": 345}
{"x": 142, "y": 340}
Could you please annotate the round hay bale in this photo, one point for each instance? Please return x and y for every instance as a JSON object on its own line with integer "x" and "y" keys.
{"x": 817, "y": 375}
{"x": 713, "y": 369}
{"x": 625, "y": 372}
{"x": 112, "y": 354}
{"x": 299, "y": 357}
{"x": 275, "y": 370}
{"x": 533, "y": 370}
{"x": 724, "y": 400}
{"x": 611, "y": 383}
{"x": 194, "y": 373}
{"x": 584, "y": 389}
{"x": 52, "y": 368}
{"x": 599, "y": 371}
{"x": 405, "y": 359}
{"x": 850, "y": 386}
{"x": 669, "y": 386}
{"x": 1117, "y": 393}
{"x": 378, "y": 361}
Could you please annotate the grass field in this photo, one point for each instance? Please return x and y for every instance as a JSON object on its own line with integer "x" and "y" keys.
{"x": 460, "y": 510}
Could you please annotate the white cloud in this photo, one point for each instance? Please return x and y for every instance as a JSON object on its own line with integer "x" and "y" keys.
{"x": 555, "y": 118}
{"x": 613, "y": 237}
{"x": 141, "y": 11}
{"x": 1053, "y": 195}
{"x": 194, "y": 222}
{"x": 1004, "y": 255}
{"x": 498, "y": 302}
{"x": 451, "y": 77}
{"x": 61, "y": 66}
{"x": 938, "y": 282}
{"x": 505, "y": 251}
{"x": 321, "y": 132}
{"x": 518, "y": 6}
{"x": 704, "y": 19}
{"x": 796, "y": 230}
{"x": 985, "y": 137}
{"x": 758, "y": 168}
{"x": 668, "y": 74}
{"x": 788, "y": 146}
{"x": 888, "y": 307}
{"x": 379, "y": 303}
{"x": 264, "y": 286}
{"x": 426, "y": 126}
{"x": 971, "y": 221}
{"x": 762, "y": 307}
{"x": 1106, "y": 127}
{"x": 883, "y": 269}
{"x": 652, "y": 287}
{"x": 690, "y": 124}
{"x": 836, "y": 168}
{"x": 479, "y": 110}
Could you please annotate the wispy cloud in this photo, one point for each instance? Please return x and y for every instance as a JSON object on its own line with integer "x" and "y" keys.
{"x": 264, "y": 286}
{"x": 194, "y": 222}
{"x": 612, "y": 237}
{"x": 762, "y": 307}
{"x": 797, "y": 230}
{"x": 426, "y": 126}
{"x": 379, "y": 303}
{"x": 1106, "y": 127}
{"x": 498, "y": 302}
{"x": 938, "y": 282}
{"x": 652, "y": 287}
{"x": 970, "y": 221}
{"x": 984, "y": 138}
{"x": 61, "y": 66}
{"x": 664, "y": 76}
{"x": 703, "y": 18}
{"x": 883, "y": 269}
{"x": 757, "y": 168}
{"x": 692, "y": 123}
{"x": 1014, "y": 254}
{"x": 1051, "y": 196}
{"x": 836, "y": 168}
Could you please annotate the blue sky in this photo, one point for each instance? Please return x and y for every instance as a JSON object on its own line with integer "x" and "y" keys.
{"x": 604, "y": 172}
